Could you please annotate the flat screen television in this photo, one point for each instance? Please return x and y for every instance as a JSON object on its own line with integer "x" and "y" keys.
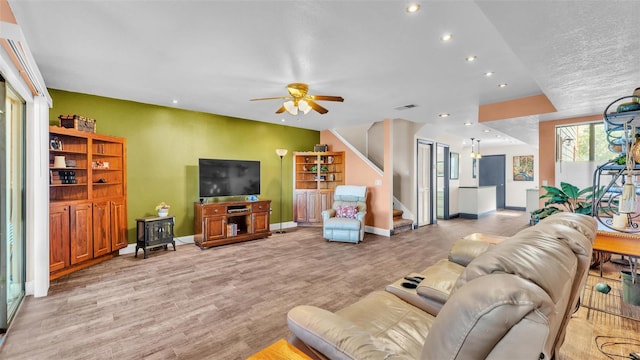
{"x": 218, "y": 177}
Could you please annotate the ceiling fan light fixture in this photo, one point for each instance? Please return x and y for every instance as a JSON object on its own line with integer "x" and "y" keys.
{"x": 291, "y": 107}
{"x": 303, "y": 105}
{"x": 300, "y": 100}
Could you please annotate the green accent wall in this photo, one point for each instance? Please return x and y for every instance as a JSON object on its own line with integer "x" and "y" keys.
{"x": 164, "y": 145}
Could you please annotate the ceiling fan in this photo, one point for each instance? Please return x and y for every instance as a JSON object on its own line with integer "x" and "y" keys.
{"x": 299, "y": 99}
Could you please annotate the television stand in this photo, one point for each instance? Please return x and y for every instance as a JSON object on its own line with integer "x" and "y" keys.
{"x": 221, "y": 223}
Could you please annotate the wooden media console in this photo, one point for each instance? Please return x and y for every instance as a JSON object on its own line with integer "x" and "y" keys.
{"x": 220, "y": 223}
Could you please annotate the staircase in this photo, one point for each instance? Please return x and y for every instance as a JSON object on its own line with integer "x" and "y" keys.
{"x": 400, "y": 224}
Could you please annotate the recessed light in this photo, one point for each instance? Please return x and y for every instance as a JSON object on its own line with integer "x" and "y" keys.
{"x": 502, "y": 85}
{"x": 486, "y": 130}
{"x": 444, "y": 114}
{"x": 467, "y": 123}
{"x": 413, "y": 8}
{"x": 470, "y": 58}
{"x": 283, "y": 120}
{"x": 446, "y": 37}
{"x": 489, "y": 73}
{"x": 174, "y": 101}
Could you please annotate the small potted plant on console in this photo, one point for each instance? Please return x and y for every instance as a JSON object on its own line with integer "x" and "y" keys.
{"x": 163, "y": 209}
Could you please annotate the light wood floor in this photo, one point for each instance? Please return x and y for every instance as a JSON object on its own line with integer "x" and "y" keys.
{"x": 229, "y": 302}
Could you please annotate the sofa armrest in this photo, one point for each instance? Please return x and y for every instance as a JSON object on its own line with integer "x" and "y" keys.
{"x": 332, "y": 335}
{"x": 440, "y": 278}
{"x": 329, "y": 213}
{"x": 360, "y": 216}
{"x": 463, "y": 251}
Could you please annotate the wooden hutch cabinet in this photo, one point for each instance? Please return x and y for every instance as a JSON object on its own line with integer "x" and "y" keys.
{"x": 316, "y": 175}
{"x": 220, "y": 223}
{"x": 87, "y": 195}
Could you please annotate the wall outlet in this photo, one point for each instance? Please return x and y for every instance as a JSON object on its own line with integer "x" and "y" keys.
{"x": 378, "y": 182}
{"x": 544, "y": 182}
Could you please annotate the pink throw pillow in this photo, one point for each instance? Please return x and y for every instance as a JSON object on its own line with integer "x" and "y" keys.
{"x": 348, "y": 211}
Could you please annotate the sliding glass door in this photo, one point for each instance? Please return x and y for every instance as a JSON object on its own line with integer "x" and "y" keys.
{"x": 12, "y": 200}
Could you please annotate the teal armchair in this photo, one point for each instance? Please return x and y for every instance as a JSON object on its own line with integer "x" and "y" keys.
{"x": 345, "y": 221}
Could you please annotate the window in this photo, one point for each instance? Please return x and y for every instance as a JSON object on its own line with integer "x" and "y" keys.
{"x": 583, "y": 143}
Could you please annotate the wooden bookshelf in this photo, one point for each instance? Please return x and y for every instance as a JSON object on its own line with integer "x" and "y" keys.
{"x": 88, "y": 212}
{"x": 316, "y": 175}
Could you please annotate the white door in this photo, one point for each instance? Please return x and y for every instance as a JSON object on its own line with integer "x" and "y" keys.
{"x": 424, "y": 183}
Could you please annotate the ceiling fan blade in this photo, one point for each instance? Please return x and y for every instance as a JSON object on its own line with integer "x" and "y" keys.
{"x": 327, "y": 98}
{"x": 281, "y": 110}
{"x": 272, "y": 98}
{"x": 317, "y": 107}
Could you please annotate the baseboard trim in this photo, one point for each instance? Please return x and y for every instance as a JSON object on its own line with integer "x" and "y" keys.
{"x": 476, "y": 216}
{"x": 285, "y": 225}
{"x": 517, "y": 208}
{"x": 28, "y": 288}
{"x": 377, "y": 231}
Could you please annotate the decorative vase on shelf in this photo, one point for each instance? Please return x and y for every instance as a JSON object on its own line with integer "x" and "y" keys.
{"x": 163, "y": 212}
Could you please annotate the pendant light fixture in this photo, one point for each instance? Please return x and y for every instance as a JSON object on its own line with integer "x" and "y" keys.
{"x": 475, "y": 148}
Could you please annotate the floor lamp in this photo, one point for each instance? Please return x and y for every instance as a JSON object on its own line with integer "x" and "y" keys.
{"x": 281, "y": 153}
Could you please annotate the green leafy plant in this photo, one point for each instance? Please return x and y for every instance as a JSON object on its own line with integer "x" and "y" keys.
{"x": 323, "y": 168}
{"x": 546, "y": 211}
{"x": 569, "y": 198}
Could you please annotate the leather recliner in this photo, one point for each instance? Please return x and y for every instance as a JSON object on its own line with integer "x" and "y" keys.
{"x": 440, "y": 278}
{"x": 512, "y": 301}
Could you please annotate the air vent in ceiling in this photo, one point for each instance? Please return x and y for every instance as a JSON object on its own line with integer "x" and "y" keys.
{"x": 405, "y": 107}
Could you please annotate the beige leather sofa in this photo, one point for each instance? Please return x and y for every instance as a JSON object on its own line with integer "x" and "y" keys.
{"x": 511, "y": 301}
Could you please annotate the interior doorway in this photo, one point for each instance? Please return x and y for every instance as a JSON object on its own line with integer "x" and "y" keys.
{"x": 424, "y": 171}
{"x": 442, "y": 181}
{"x": 492, "y": 172}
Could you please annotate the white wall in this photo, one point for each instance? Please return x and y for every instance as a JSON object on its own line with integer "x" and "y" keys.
{"x": 579, "y": 173}
{"x": 404, "y": 187}
{"x": 375, "y": 147}
{"x": 353, "y": 135}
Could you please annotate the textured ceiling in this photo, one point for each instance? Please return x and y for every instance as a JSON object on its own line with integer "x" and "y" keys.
{"x": 213, "y": 56}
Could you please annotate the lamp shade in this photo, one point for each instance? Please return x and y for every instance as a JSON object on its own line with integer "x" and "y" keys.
{"x": 281, "y": 152}
{"x": 304, "y": 106}
{"x": 59, "y": 162}
{"x": 291, "y": 107}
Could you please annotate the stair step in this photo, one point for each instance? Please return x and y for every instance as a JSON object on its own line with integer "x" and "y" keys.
{"x": 400, "y": 225}
{"x": 397, "y": 213}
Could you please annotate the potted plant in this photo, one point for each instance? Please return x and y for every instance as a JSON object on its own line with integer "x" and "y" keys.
{"x": 163, "y": 209}
{"x": 569, "y": 197}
